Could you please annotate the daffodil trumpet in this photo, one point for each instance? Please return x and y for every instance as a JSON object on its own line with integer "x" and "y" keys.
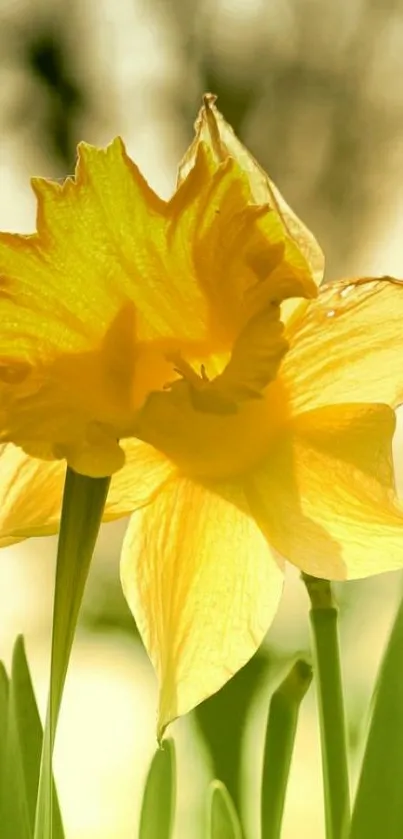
{"x": 244, "y": 410}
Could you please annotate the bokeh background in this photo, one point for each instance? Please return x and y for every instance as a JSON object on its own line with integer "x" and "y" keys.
{"x": 315, "y": 89}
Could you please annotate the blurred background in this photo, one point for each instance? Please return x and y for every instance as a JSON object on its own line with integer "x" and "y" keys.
{"x": 315, "y": 89}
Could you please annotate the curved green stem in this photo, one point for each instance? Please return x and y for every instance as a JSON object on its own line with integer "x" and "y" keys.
{"x": 324, "y": 623}
{"x": 279, "y": 745}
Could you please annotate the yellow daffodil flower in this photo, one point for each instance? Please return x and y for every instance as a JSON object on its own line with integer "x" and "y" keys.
{"x": 184, "y": 348}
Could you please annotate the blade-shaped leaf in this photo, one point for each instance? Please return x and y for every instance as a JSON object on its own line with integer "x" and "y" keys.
{"x": 378, "y": 809}
{"x": 223, "y": 821}
{"x": 14, "y": 815}
{"x": 279, "y": 745}
{"x": 22, "y": 754}
{"x": 4, "y": 689}
{"x": 159, "y": 799}
{"x": 83, "y": 504}
{"x": 26, "y": 726}
{"x": 14, "y": 810}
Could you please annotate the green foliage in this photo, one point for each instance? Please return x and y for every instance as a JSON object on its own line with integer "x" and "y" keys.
{"x": 223, "y": 822}
{"x": 4, "y": 689}
{"x": 378, "y": 810}
{"x": 221, "y": 720}
{"x": 159, "y": 799}
{"x": 280, "y": 736}
{"x": 82, "y": 509}
{"x": 20, "y": 753}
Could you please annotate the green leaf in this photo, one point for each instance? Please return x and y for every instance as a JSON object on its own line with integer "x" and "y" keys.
{"x": 14, "y": 815}
{"x": 14, "y": 808}
{"x": 279, "y": 745}
{"x": 221, "y": 720}
{"x": 83, "y": 504}
{"x": 378, "y": 809}
{"x": 223, "y": 822}
{"x": 22, "y": 738}
{"x": 4, "y": 688}
{"x": 159, "y": 799}
{"x": 26, "y": 727}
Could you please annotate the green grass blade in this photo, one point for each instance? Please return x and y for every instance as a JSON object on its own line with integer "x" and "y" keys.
{"x": 378, "y": 809}
{"x": 22, "y": 739}
{"x": 26, "y": 725}
{"x": 4, "y": 690}
{"x": 159, "y": 799}
{"x": 14, "y": 810}
{"x": 279, "y": 745}
{"x": 83, "y": 504}
{"x": 223, "y": 822}
{"x": 14, "y": 813}
{"x": 30, "y": 734}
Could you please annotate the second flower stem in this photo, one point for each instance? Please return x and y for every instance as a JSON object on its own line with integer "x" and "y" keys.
{"x": 327, "y": 671}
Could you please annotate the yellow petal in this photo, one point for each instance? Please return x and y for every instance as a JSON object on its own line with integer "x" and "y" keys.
{"x": 100, "y": 242}
{"x": 240, "y": 251}
{"x": 348, "y": 346}
{"x": 212, "y": 129}
{"x": 30, "y": 495}
{"x": 203, "y": 587}
{"x": 31, "y": 489}
{"x": 326, "y": 493}
{"x": 145, "y": 471}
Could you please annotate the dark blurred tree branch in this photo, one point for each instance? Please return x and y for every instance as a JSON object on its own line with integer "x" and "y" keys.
{"x": 47, "y": 59}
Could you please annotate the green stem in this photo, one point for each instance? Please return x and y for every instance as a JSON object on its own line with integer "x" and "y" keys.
{"x": 82, "y": 508}
{"x": 324, "y": 622}
{"x": 279, "y": 745}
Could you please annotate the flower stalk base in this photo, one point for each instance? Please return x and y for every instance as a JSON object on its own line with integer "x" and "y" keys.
{"x": 327, "y": 670}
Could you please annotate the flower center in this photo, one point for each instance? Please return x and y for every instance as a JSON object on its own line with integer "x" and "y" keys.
{"x": 221, "y": 427}
{"x": 215, "y": 445}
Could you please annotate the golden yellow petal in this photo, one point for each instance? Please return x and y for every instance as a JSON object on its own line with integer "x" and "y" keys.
{"x": 326, "y": 493}
{"x": 144, "y": 472}
{"x": 30, "y": 495}
{"x": 239, "y": 251}
{"x": 348, "y": 346}
{"x": 203, "y": 587}
{"x": 212, "y": 129}
{"x": 31, "y": 489}
{"x": 101, "y": 242}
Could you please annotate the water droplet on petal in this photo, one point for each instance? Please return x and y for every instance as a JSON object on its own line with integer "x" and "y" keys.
{"x": 330, "y": 313}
